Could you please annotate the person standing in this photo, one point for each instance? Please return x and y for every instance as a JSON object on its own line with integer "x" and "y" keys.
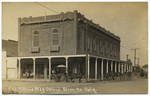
{"x": 80, "y": 77}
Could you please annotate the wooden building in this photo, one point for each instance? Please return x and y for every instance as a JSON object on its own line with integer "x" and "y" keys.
{"x": 9, "y": 49}
{"x": 71, "y": 40}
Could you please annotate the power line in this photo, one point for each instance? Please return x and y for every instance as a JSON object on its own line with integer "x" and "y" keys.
{"x": 124, "y": 47}
{"x": 128, "y": 45}
{"x": 46, "y": 7}
{"x": 132, "y": 46}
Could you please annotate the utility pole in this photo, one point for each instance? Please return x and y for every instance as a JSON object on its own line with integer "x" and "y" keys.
{"x": 135, "y": 55}
{"x": 127, "y": 57}
{"x": 138, "y": 61}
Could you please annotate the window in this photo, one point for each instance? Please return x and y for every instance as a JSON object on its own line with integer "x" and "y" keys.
{"x": 79, "y": 39}
{"x": 36, "y": 39}
{"x": 55, "y": 31}
{"x": 55, "y": 37}
{"x": 106, "y": 46}
{"x": 97, "y": 45}
{"x": 115, "y": 51}
{"x": 91, "y": 44}
{"x": 111, "y": 49}
{"x": 85, "y": 39}
{"x": 94, "y": 44}
{"x": 118, "y": 51}
{"x": 100, "y": 46}
{"x": 88, "y": 42}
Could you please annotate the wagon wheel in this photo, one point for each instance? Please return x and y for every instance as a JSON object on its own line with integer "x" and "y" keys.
{"x": 53, "y": 77}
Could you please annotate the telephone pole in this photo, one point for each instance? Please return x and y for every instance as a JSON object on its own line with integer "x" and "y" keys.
{"x": 135, "y": 49}
{"x": 138, "y": 61}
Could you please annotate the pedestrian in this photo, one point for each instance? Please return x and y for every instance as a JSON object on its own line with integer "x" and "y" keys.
{"x": 80, "y": 77}
{"x": 66, "y": 76}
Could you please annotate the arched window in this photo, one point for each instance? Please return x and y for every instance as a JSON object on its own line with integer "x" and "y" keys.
{"x": 55, "y": 37}
{"x": 36, "y": 38}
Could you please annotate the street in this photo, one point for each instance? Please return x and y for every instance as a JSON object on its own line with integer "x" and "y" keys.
{"x": 138, "y": 86}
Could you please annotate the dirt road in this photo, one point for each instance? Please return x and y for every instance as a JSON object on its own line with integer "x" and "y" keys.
{"x": 139, "y": 86}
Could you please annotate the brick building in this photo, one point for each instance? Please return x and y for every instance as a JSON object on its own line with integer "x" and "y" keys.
{"x": 68, "y": 40}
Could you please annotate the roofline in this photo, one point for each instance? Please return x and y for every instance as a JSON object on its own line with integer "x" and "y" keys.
{"x": 97, "y": 26}
{"x": 61, "y": 18}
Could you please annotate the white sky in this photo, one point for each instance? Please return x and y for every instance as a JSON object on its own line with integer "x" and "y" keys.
{"x": 127, "y": 20}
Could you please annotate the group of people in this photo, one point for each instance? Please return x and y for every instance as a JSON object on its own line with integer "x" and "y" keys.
{"x": 69, "y": 77}
{"x": 61, "y": 75}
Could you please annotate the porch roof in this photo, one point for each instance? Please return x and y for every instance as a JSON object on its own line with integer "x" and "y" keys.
{"x": 67, "y": 56}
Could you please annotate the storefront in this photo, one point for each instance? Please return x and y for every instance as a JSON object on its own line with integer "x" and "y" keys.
{"x": 46, "y": 67}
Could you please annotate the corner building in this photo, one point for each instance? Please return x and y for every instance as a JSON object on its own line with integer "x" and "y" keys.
{"x": 67, "y": 40}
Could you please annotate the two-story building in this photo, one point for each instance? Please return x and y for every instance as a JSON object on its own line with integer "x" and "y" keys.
{"x": 68, "y": 41}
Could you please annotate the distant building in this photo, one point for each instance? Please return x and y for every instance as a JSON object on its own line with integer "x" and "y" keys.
{"x": 9, "y": 49}
{"x": 70, "y": 40}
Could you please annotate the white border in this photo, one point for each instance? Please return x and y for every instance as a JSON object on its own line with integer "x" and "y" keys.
{"x": 76, "y": 1}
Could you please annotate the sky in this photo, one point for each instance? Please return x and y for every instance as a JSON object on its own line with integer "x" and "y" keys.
{"x": 127, "y": 20}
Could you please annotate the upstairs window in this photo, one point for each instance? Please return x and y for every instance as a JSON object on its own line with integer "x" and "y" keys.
{"x": 118, "y": 51}
{"x": 106, "y": 48}
{"x": 100, "y": 46}
{"x": 111, "y": 48}
{"x": 91, "y": 44}
{"x": 94, "y": 44}
{"x": 85, "y": 46}
{"x": 55, "y": 37}
{"x": 115, "y": 50}
{"x": 36, "y": 39}
{"x": 88, "y": 42}
{"x": 97, "y": 45}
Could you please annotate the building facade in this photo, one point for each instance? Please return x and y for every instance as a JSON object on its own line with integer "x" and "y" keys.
{"x": 9, "y": 49}
{"x": 67, "y": 39}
